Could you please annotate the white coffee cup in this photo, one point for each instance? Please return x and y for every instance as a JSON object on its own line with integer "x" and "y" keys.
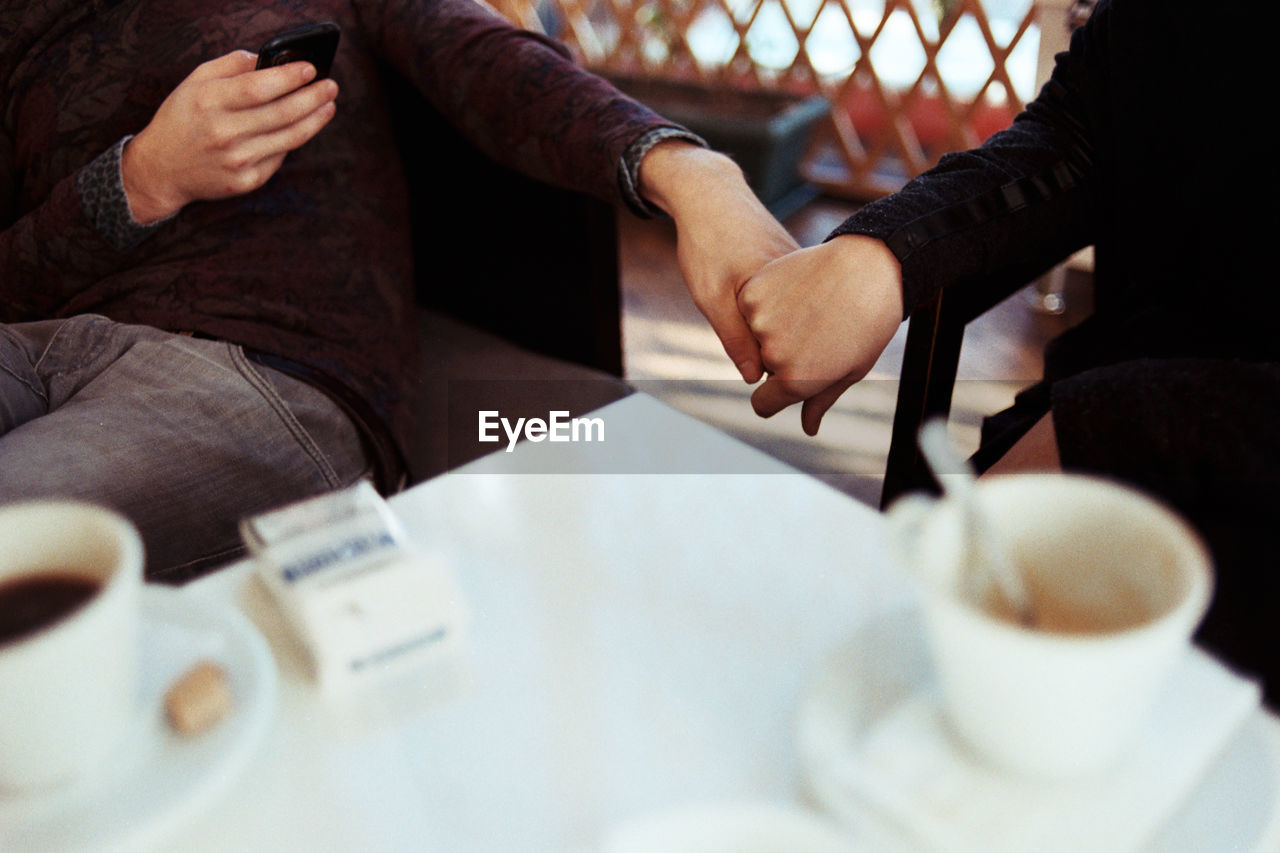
{"x": 1118, "y": 584}
{"x": 68, "y": 689}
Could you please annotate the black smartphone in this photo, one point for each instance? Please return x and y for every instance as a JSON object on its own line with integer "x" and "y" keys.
{"x": 314, "y": 43}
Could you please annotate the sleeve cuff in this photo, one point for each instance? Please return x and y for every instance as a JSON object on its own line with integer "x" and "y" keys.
{"x": 629, "y": 166}
{"x": 100, "y": 186}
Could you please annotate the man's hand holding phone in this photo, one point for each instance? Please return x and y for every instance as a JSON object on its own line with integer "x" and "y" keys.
{"x": 224, "y": 131}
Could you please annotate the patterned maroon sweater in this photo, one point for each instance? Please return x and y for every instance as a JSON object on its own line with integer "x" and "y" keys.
{"x": 314, "y": 267}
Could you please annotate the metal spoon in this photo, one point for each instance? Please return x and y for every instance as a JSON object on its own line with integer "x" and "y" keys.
{"x": 988, "y": 577}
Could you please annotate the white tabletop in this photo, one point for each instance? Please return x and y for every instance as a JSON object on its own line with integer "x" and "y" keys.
{"x": 639, "y": 642}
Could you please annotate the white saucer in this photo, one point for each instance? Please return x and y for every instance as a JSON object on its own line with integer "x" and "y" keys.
{"x": 156, "y": 779}
{"x": 936, "y": 797}
{"x": 730, "y": 828}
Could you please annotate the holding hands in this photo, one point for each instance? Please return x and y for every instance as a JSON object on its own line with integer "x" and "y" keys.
{"x": 810, "y": 321}
{"x": 822, "y": 316}
{"x": 814, "y": 320}
{"x": 723, "y": 236}
{"x": 223, "y": 132}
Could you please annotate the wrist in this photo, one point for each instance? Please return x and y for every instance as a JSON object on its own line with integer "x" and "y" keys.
{"x": 675, "y": 172}
{"x": 148, "y": 201}
{"x": 871, "y": 261}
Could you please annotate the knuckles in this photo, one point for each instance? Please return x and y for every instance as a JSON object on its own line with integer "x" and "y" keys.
{"x": 242, "y": 182}
{"x": 222, "y": 138}
{"x": 205, "y": 99}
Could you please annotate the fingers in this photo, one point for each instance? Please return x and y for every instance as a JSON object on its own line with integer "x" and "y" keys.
{"x": 736, "y": 337}
{"x": 229, "y": 65}
{"x": 254, "y": 160}
{"x": 817, "y": 397}
{"x": 242, "y": 140}
{"x": 775, "y": 394}
{"x": 771, "y": 397}
{"x": 814, "y": 408}
{"x": 285, "y": 124}
{"x": 233, "y": 83}
{"x": 291, "y": 136}
{"x": 255, "y": 88}
{"x": 294, "y": 107}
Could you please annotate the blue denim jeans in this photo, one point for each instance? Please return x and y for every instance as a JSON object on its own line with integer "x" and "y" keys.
{"x": 184, "y": 436}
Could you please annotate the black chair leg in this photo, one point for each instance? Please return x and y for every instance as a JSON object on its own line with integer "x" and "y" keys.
{"x": 929, "y": 365}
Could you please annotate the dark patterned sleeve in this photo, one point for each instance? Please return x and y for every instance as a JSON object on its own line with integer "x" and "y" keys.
{"x": 100, "y": 186}
{"x": 514, "y": 94}
{"x": 58, "y": 235}
{"x": 629, "y": 167}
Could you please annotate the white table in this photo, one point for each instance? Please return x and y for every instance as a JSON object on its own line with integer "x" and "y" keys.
{"x": 639, "y": 642}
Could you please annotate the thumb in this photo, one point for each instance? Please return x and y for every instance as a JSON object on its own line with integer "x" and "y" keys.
{"x": 773, "y": 395}
{"x": 736, "y": 338}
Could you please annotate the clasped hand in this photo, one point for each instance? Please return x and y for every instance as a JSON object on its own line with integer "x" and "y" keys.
{"x": 814, "y": 320}
{"x": 822, "y": 316}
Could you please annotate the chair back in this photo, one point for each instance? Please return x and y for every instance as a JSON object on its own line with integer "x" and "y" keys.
{"x": 535, "y": 264}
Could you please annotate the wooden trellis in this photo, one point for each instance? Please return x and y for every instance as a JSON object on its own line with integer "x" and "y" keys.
{"x": 880, "y": 132}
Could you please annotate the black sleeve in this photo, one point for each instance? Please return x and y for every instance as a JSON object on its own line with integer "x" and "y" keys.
{"x": 1016, "y": 205}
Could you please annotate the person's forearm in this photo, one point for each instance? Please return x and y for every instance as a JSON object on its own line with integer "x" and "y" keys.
{"x": 724, "y": 235}
{"x": 1009, "y": 209}
{"x": 515, "y": 95}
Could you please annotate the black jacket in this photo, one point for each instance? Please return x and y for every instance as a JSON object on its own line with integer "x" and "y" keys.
{"x": 1147, "y": 143}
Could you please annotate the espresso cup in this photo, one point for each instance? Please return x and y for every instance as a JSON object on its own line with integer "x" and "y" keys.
{"x": 1117, "y": 584}
{"x": 70, "y": 579}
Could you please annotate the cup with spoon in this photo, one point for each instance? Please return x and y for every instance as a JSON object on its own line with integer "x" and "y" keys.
{"x": 1055, "y": 606}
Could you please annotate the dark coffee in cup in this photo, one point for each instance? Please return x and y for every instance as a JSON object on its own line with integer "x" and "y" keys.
{"x": 30, "y": 602}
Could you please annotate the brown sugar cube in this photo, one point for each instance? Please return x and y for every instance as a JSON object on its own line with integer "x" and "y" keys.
{"x": 199, "y": 699}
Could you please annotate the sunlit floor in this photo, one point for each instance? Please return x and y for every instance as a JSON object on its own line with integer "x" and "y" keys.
{"x": 672, "y": 353}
